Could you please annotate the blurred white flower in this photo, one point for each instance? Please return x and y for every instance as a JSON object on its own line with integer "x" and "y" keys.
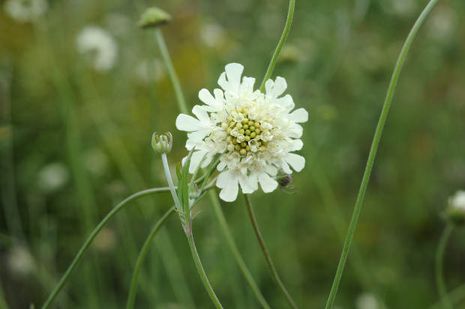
{"x": 401, "y": 7}
{"x": 96, "y": 161}
{"x": 254, "y": 133}
{"x": 458, "y": 200}
{"x": 99, "y": 46}
{"x": 25, "y": 10}
{"x": 20, "y": 261}
{"x": 150, "y": 70}
{"x": 212, "y": 35}
{"x": 105, "y": 240}
{"x": 442, "y": 24}
{"x": 52, "y": 177}
{"x": 119, "y": 24}
{"x": 367, "y": 301}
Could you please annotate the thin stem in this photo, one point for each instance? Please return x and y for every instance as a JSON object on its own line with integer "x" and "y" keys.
{"x": 171, "y": 72}
{"x": 281, "y": 42}
{"x": 455, "y": 296}
{"x": 373, "y": 151}
{"x": 266, "y": 253}
{"x": 169, "y": 179}
{"x": 91, "y": 237}
{"x": 235, "y": 251}
{"x": 140, "y": 259}
{"x": 201, "y": 271}
{"x": 440, "y": 284}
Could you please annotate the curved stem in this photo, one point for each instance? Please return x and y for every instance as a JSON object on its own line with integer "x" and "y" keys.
{"x": 171, "y": 72}
{"x": 235, "y": 251}
{"x": 141, "y": 258}
{"x": 266, "y": 253}
{"x": 373, "y": 150}
{"x": 281, "y": 42}
{"x": 201, "y": 271}
{"x": 92, "y": 236}
{"x": 441, "y": 286}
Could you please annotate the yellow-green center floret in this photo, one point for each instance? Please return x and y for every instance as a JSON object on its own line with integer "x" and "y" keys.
{"x": 244, "y": 135}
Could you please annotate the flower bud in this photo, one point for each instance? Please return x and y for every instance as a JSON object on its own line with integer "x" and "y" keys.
{"x": 162, "y": 143}
{"x": 455, "y": 212}
{"x": 153, "y": 17}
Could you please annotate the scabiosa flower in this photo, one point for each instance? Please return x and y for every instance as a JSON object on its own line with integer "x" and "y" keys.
{"x": 99, "y": 46}
{"x": 253, "y": 133}
{"x": 25, "y": 10}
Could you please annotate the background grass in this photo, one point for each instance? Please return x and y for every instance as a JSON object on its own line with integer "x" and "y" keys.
{"x": 96, "y": 127}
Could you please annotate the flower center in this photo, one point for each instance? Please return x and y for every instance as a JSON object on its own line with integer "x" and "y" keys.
{"x": 245, "y": 135}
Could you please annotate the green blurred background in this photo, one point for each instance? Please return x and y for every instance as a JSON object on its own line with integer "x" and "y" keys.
{"x": 74, "y": 141}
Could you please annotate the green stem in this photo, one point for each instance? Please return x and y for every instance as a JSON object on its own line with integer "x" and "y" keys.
{"x": 235, "y": 251}
{"x": 189, "y": 234}
{"x": 171, "y": 72}
{"x": 266, "y": 253}
{"x": 169, "y": 179}
{"x": 92, "y": 236}
{"x": 440, "y": 284}
{"x": 140, "y": 259}
{"x": 373, "y": 151}
{"x": 201, "y": 271}
{"x": 3, "y": 303}
{"x": 281, "y": 42}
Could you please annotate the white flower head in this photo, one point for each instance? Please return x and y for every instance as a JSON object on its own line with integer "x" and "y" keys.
{"x": 99, "y": 46}
{"x": 455, "y": 211}
{"x": 457, "y": 201}
{"x": 367, "y": 301}
{"x": 25, "y": 10}
{"x": 254, "y": 133}
{"x": 52, "y": 177}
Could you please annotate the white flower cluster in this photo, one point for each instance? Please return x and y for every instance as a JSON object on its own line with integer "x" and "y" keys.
{"x": 99, "y": 46}
{"x": 254, "y": 133}
{"x": 25, "y": 10}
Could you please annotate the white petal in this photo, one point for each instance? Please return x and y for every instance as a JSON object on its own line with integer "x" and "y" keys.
{"x": 296, "y": 161}
{"x": 247, "y": 85}
{"x": 196, "y": 159}
{"x": 229, "y": 193}
{"x": 201, "y": 114}
{"x": 187, "y": 123}
{"x": 296, "y": 131}
{"x": 267, "y": 183}
{"x": 221, "y": 166}
{"x": 285, "y": 167}
{"x": 247, "y": 184}
{"x": 276, "y": 88}
{"x": 223, "y": 179}
{"x": 206, "y": 97}
{"x": 280, "y": 86}
{"x": 296, "y": 144}
{"x": 198, "y": 136}
{"x": 230, "y": 80}
{"x": 287, "y": 102}
{"x": 299, "y": 115}
{"x": 207, "y": 160}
